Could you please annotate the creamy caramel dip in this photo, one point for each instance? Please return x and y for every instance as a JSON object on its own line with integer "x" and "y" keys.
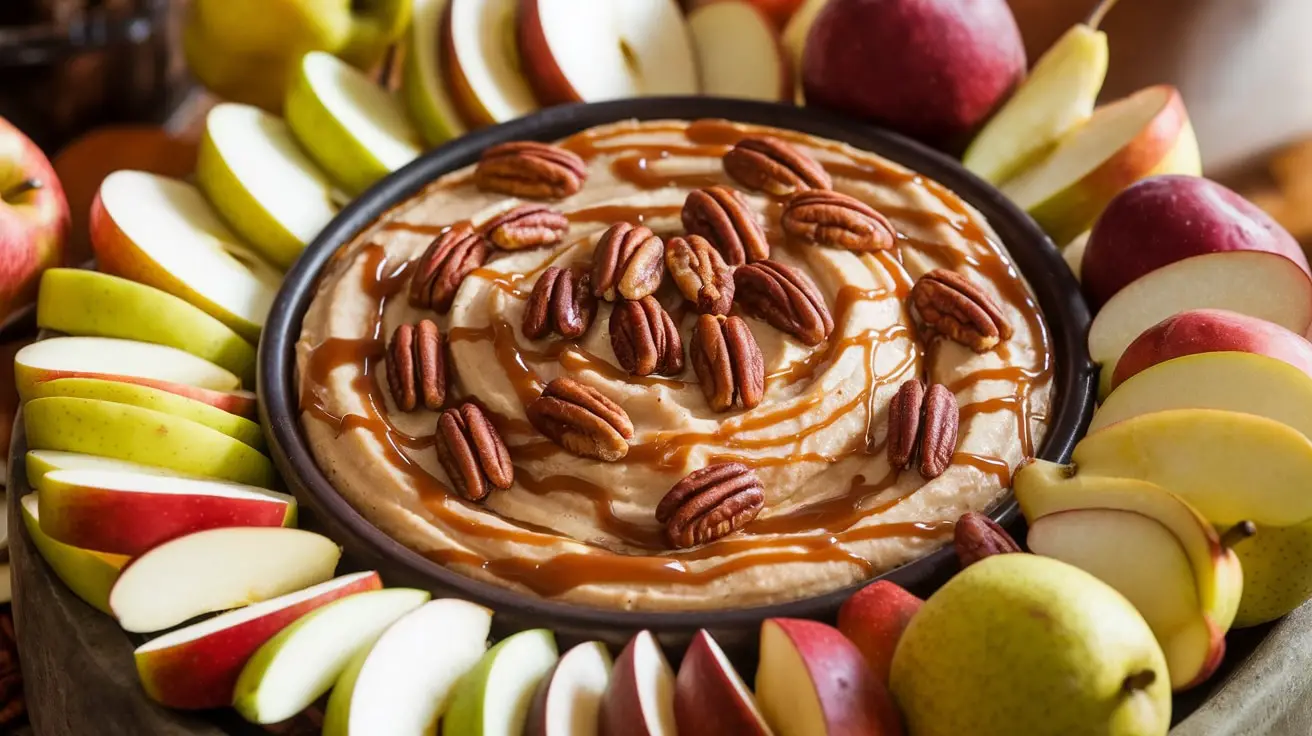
{"x": 584, "y": 531}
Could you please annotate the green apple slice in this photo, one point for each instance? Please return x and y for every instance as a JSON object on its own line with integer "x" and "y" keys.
{"x": 161, "y": 232}
{"x": 90, "y": 575}
{"x": 1058, "y": 95}
{"x": 90, "y": 303}
{"x": 494, "y": 698}
{"x": 350, "y": 126}
{"x": 402, "y": 684}
{"x": 40, "y": 463}
{"x": 423, "y": 80}
{"x": 257, "y": 177}
{"x": 239, "y": 428}
{"x": 138, "y": 435}
{"x": 301, "y": 663}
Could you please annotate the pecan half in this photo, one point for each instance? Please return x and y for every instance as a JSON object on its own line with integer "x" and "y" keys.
{"x": 926, "y": 421}
{"x": 531, "y": 170}
{"x": 526, "y": 226}
{"x": 416, "y": 367}
{"x": 786, "y": 298}
{"x": 720, "y": 215}
{"x": 444, "y": 265}
{"x": 472, "y": 453}
{"x": 645, "y": 338}
{"x": 976, "y": 536}
{"x": 700, "y": 273}
{"x": 728, "y": 362}
{"x": 710, "y": 503}
{"x": 774, "y": 166}
{"x": 950, "y": 304}
{"x": 628, "y": 262}
{"x": 822, "y": 217}
{"x": 582, "y": 420}
{"x": 561, "y": 301}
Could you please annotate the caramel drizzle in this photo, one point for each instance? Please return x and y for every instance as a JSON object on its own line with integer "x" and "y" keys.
{"x": 817, "y": 530}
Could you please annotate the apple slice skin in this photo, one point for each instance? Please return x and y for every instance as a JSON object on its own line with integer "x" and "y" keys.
{"x": 624, "y": 710}
{"x": 130, "y": 523}
{"x": 874, "y": 619}
{"x": 472, "y": 700}
{"x": 352, "y": 623}
{"x": 202, "y": 672}
{"x": 237, "y": 403}
{"x": 710, "y": 698}
{"x": 423, "y": 84}
{"x": 582, "y": 701}
{"x": 90, "y": 575}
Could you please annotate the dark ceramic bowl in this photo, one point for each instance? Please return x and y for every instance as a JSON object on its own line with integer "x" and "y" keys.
{"x": 1055, "y": 289}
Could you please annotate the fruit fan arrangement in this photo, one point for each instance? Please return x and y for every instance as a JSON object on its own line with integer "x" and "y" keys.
{"x": 1185, "y": 511}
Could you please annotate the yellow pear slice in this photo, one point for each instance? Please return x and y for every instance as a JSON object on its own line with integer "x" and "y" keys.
{"x": 1230, "y": 466}
{"x": 1058, "y": 95}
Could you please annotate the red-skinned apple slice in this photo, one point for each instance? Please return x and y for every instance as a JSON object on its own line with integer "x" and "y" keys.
{"x": 486, "y": 79}
{"x": 614, "y": 50}
{"x": 874, "y": 619}
{"x": 1255, "y": 283}
{"x": 738, "y": 52}
{"x": 143, "y": 363}
{"x": 812, "y": 680}
{"x": 568, "y": 699}
{"x": 197, "y": 666}
{"x": 90, "y": 575}
{"x": 640, "y": 698}
{"x": 129, "y": 513}
{"x": 709, "y": 696}
{"x": 215, "y": 570}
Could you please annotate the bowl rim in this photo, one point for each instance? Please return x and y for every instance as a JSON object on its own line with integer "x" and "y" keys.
{"x": 1041, "y": 265}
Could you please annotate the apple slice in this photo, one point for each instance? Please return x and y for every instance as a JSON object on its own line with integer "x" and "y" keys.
{"x": 197, "y": 666}
{"x": 130, "y": 513}
{"x": 1258, "y": 284}
{"x": 1146, "y": 133}
{"x": 97, "y": 304}
{"x": 1143, "y": 561}
{"x": 143, "y": 436}
{"x": 90, "y": 575}
{"x": 640, "y": 697}
{"x": 1073, "y": 253}
{"x": 568, "y": 699}
{"x": 1204, "y": 456}
{"x": 254, "y": 173}
{"x": 739, "y": 53}
{"x": 795, "y": 33}
{"x": 41, "y": 463}
{"x": 161, "y": 232}
{"x": 298, "y": 665}
{"x": 709, "y": 696}
{"x": 215, "y": 570}
{"x": 485, "y": 76}
{"x": 121, "y": 392}
{"x": 812, "y": 680}
{"x": 616, "y": 49}
{"x": 494, "y": 697}
{"x": 1231, "y": 381}
{"x": 1044, "y": 488}
{"x": 402, "y": 684}
{"x": 874, "y": 619}
{"x": 423, "y": 79}
{"x": 1056, "y": 98}
{"x": 356, "y": 130}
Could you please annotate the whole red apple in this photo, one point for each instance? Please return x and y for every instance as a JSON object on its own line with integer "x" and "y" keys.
{"x": 931, "y": 69}
{"x": 874, "y": 619}
{"x": 1164, "y": 219}
{"x": 33, "y": 219}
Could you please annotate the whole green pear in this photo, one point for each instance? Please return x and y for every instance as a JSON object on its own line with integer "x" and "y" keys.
{"x": 1023, "y": 644}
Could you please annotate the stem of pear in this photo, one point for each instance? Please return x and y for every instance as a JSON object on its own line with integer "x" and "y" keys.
{"x": 21, "y": 188}
{"x": 1099, "y": 12}
{"x": 1138, "y": 681}
{"x": 1238, "y": 533}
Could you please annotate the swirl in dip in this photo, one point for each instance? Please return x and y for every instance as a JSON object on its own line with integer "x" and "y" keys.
{"x": 584, "y": 531}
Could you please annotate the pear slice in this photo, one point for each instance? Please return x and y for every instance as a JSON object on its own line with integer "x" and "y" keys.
{"x": 1230, "y": 466}
{"x": 1058, "y": 95}
{"x": 1144, "y": 562}
{"x": 349, "y": 125}
{"x": 423, "y": 78}
{"x": 1044, "y": 488}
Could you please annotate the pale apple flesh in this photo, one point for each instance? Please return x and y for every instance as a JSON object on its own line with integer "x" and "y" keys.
{"x": 494, "y": 697}
{"x": 423, "y": 79}
{"x": 710, "y": 698}
{"x": 1207, "y": 331}
{"x": 488, "y": 84}
{"x": 105, "y": 356}
{"x": 197, "y": 666}
{"x": 640, "y": 697}
{"x": 568, "y": 699}
{"x": 34, "y": 219}
{"x": 215, "y": 570}
{"x": 1258, "y": 284}
{"x": 1143, "y": 561}
{"x": 738, "y": 52}
{"x": 90, "y": 575}
{"x": 130, "y": 513}
{"x": 40, "y": 463}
